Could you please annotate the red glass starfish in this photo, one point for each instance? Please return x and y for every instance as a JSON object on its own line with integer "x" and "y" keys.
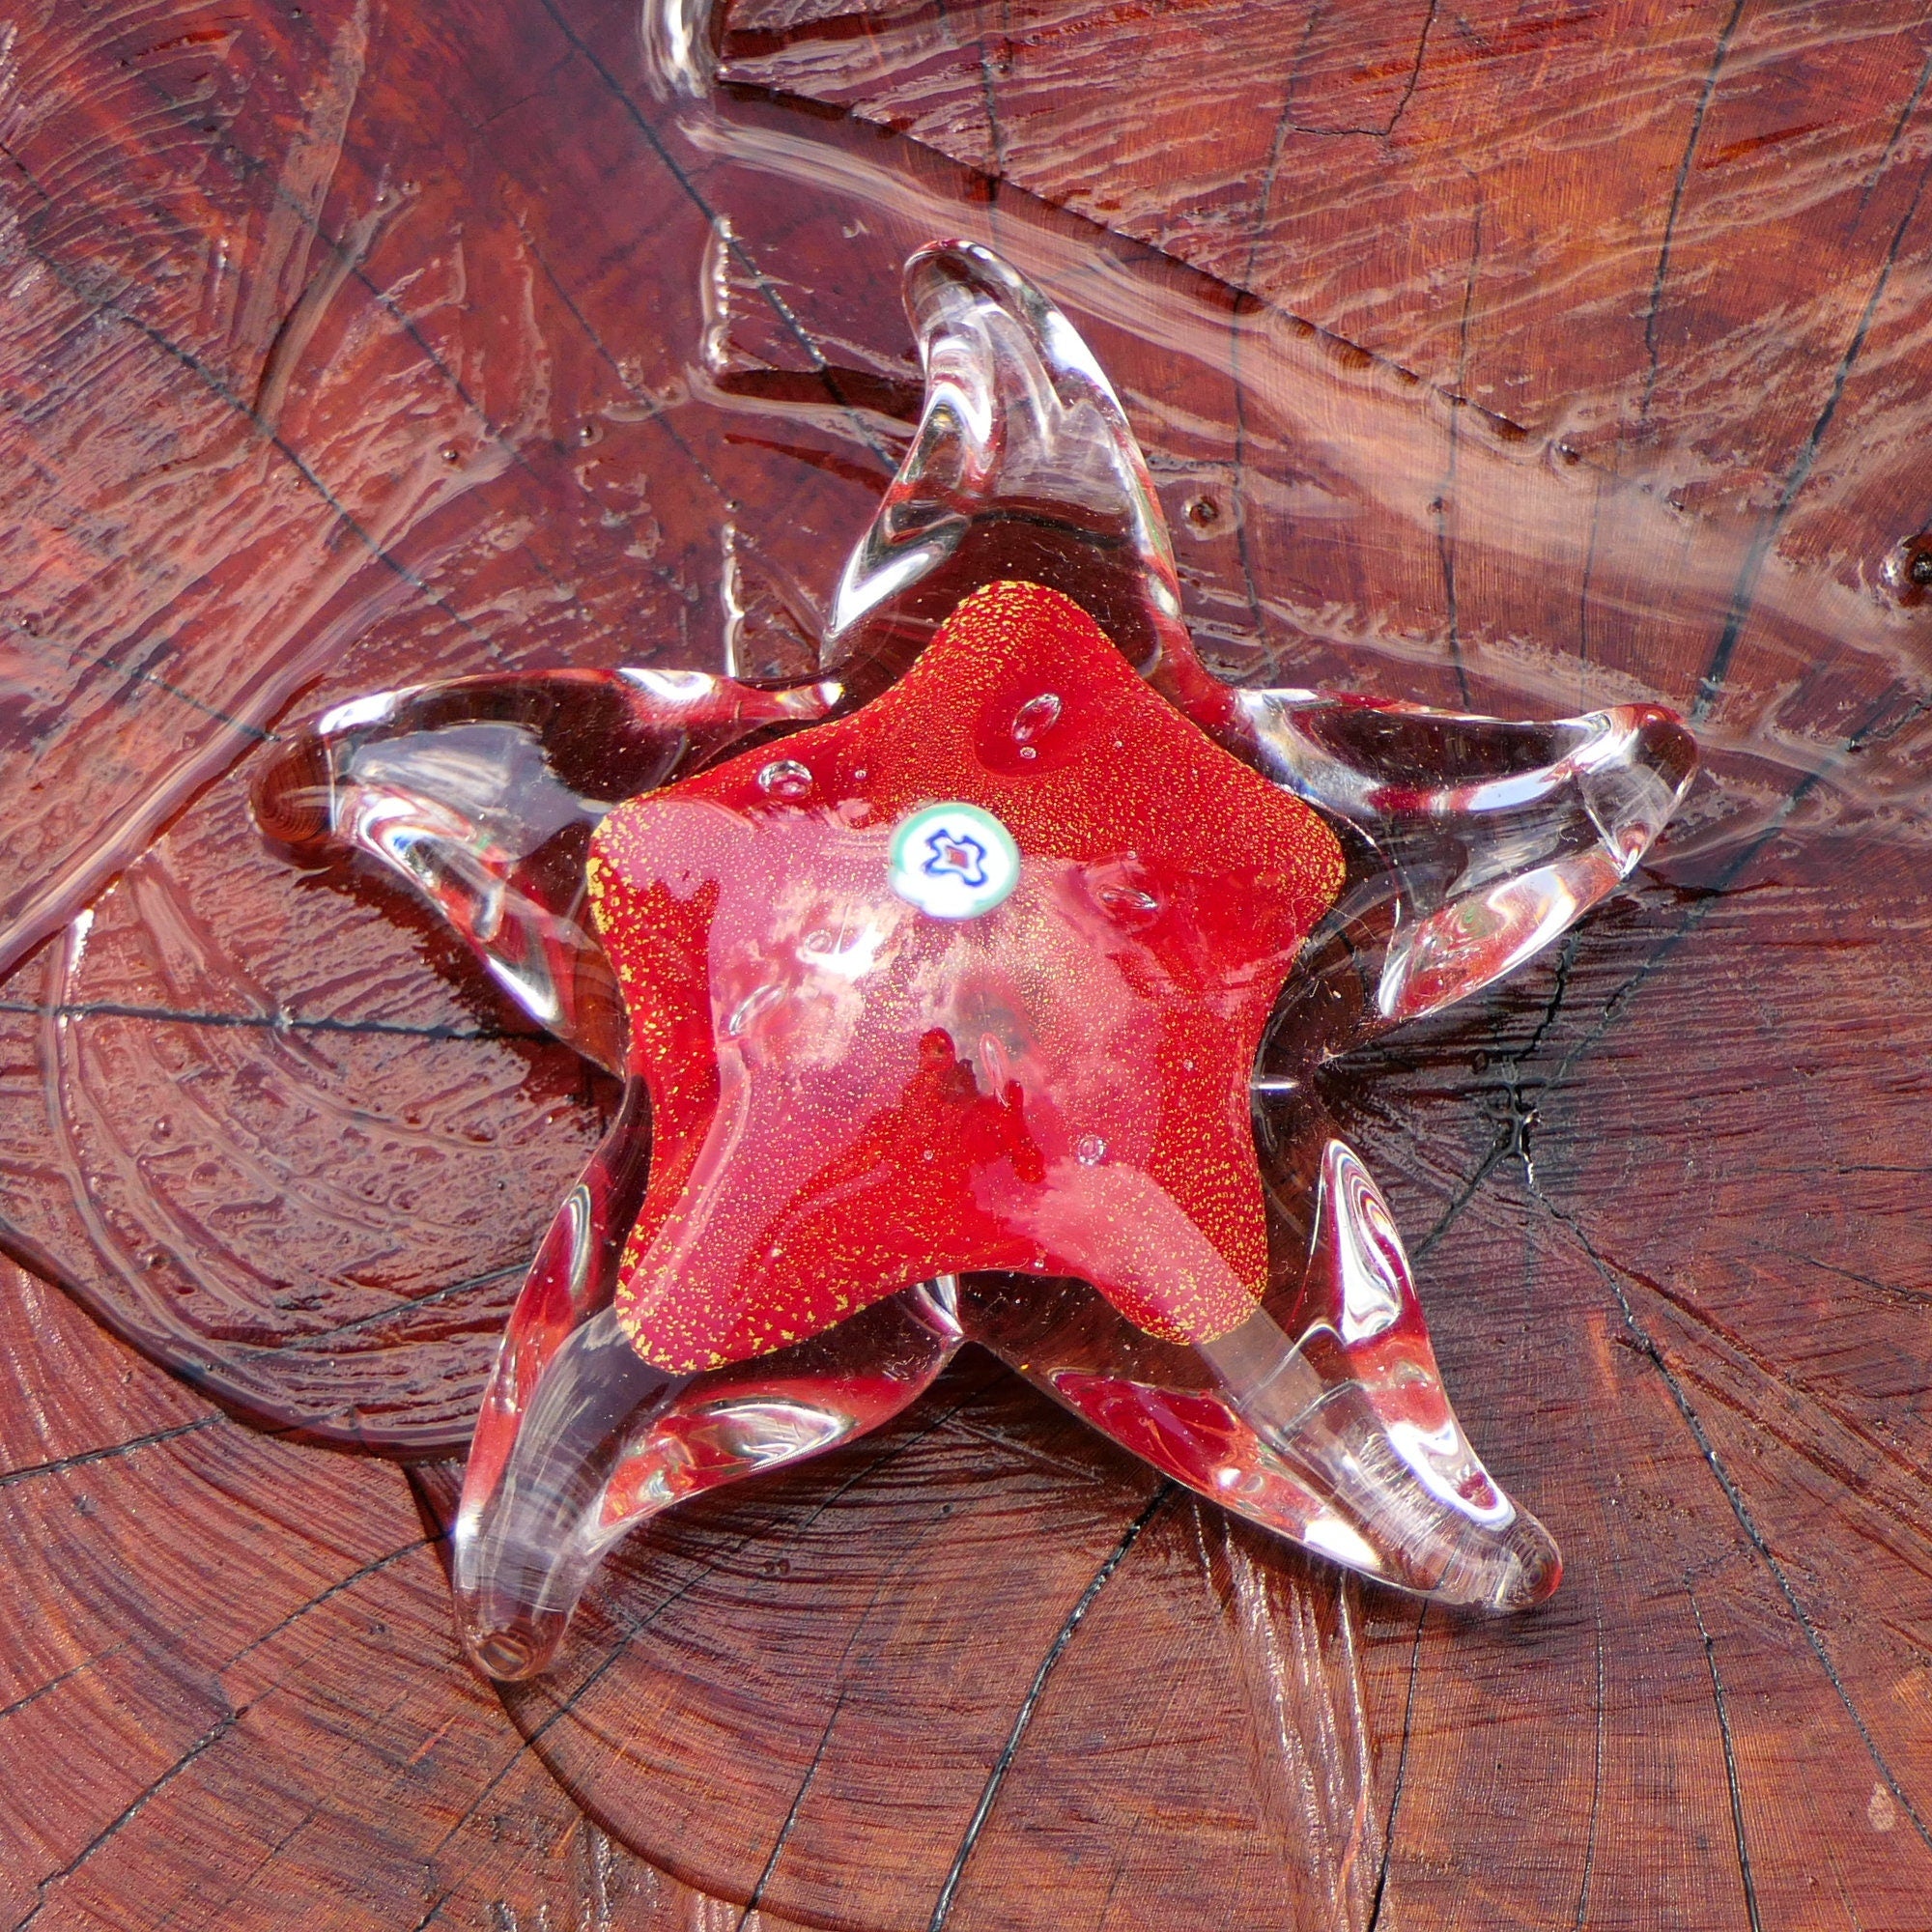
{"x": 970, "y": 991}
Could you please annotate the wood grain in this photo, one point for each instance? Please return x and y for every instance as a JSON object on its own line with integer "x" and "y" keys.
{"x": 1538, "y": 355}
{"x": 275, "y": 1728}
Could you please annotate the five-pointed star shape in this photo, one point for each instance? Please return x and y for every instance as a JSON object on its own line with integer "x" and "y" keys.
{"x": 852, "y": 1091}
{"x": 943, "y": 1005}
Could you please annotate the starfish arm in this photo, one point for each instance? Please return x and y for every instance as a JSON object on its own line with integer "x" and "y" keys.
{"x": 1484, "y": 840}
{"x": 1023, "y": 465}
{"x": 1325, "y": 1420}
{"x": 482, "y": 794}
{"x": 580, "y": 1439}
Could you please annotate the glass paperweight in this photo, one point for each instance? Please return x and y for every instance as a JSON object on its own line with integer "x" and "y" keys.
{"x": 969, "y": 990}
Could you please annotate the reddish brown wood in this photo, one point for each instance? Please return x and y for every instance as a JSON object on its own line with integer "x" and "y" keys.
{"x": 1548, "y": 354}
{"x": 275, "y": 1728}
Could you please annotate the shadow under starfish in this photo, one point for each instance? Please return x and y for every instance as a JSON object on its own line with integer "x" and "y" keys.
{"x": 988, "y": 1069}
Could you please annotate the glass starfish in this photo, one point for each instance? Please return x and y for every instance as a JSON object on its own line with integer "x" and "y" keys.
{"x": 969, "y": 991}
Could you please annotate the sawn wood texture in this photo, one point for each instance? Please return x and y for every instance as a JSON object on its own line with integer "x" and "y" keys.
{"x": 1533, "y": 355}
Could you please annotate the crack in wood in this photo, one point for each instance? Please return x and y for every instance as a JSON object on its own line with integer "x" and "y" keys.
{"x": 1743, "y": 596}
{"x": 284, "y": 1023}
{"x": 1443, "y": 505}
{"x": 205, "y": 1742}
{"x": 67, "y": 1676}
{"x": 768, "y": 292}
{"x": 1401, "y": 1774}
{"x": 949, "y": 1890}
{"x": 660, "y": 413}
{"x": 34, "y": 1471}
{"x": 1850, "y": 1479}
{"x": 212, "y": 382}
{"x": 791, "y": 1816}
{"x": 1596, "y": 1785}
{"x": 68, "y": 652}
{"x": 1647, "y": 1347}
{"x": 348, "y": 257}
{"x": 1898, "y": 127}
{"x": 1239, "y": 299}
{"x": 372, "y": 1568}
{"x": 1730, "y": 1766}
{"x": 1414, "y": 72}
{"x": 1710, "y": 88}
{"x": 1716, "y": 892}
{"x": 1895, "y": 1291}
{"x": 320, "y": 1338}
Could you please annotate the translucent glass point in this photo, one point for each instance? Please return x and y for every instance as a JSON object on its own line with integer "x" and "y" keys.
{"x": 1023, "y": 467}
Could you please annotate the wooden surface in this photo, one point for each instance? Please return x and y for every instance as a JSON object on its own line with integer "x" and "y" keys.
{"x": 1542, "y": 355}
